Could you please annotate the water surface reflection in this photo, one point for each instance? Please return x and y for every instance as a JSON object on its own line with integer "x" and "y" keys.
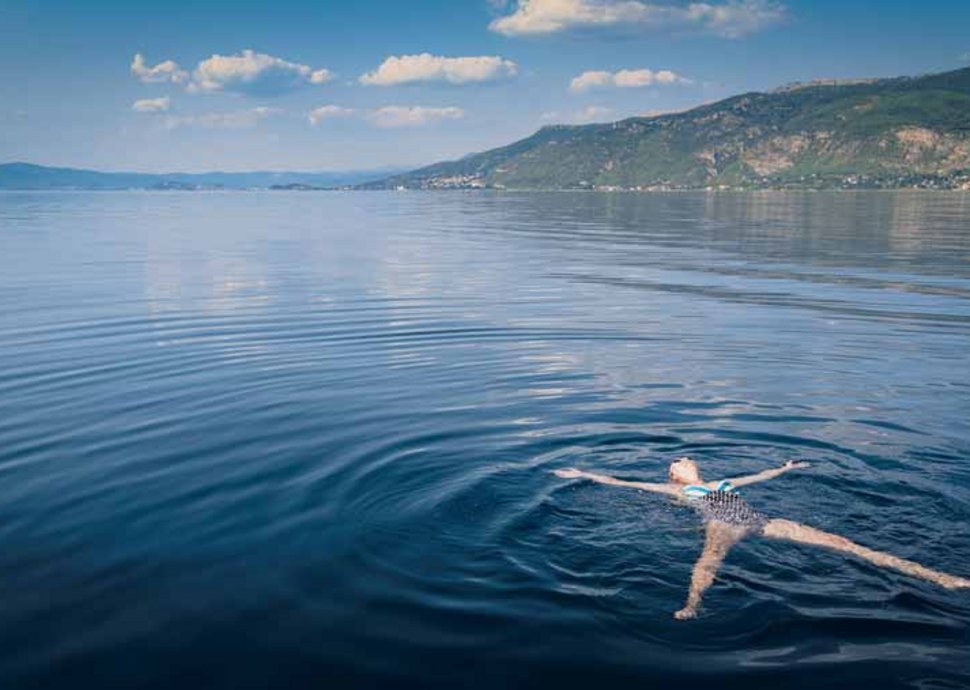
{"x": 249, "y": 440}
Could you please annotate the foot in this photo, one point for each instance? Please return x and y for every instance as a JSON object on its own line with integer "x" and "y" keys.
{"x": 686, "y": 613}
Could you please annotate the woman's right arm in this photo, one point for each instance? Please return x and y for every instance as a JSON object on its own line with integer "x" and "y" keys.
{"x": 573, "y": 473}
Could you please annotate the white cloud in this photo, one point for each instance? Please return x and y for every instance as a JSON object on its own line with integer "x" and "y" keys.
{"x": 657, "y": 112}
{"x": 633, "y": 78}
{"x": 326, "y": 112}
{"x": 624, "y": 79}
{"x": 162, "y": 72}
{"x": 236, "y": 119}
{"x": 591, "y": 113}
{"x": 151, "y": 105}
{"x": 408, "y": 69}
{"x": 732, "y": 18}
{"x": 390, "y": 115}
{"x": 590, "y": 80}
{"x": 412, "y": 116}
{"x": 736, "y": 18}
{"x": 254, "y": 74}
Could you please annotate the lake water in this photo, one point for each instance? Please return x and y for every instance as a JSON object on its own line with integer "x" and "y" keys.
{"x": 305, "y": 440}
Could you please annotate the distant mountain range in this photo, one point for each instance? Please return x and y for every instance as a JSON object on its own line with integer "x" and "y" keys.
{"x": 28, "y": 176}
{"x": 900, "y": 132}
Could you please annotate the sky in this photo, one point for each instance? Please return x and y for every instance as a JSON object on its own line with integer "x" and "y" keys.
{"x": 339, "y": 85}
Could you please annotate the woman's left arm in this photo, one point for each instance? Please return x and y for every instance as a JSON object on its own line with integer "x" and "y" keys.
{"x": 767, "y": 474}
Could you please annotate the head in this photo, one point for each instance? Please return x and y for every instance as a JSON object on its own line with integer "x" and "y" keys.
{"x": 685, "y": 471}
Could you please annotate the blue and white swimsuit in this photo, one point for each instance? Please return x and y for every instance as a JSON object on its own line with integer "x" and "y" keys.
{"x": 724, "y": 505}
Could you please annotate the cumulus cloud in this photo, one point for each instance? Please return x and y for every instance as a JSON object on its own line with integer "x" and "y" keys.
{"x": 735, "y": 19}
{"x": 166, "y": 71}
{"x": 236, "y": 119}
{"x": 326, "y": 112}
{"x": 254, "y": 74}
{"x": 412, "y": 116}
{"x": 151, "y": 105}
{"x": 731, "y": 19}
{"x": 408, "y": 69}
{"x": 624, "y": 79}
{"x": 591, "y": 80}
{"x": 591, "y": 113}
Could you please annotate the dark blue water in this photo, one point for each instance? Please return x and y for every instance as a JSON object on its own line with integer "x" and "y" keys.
{"x": 285, "y": 440}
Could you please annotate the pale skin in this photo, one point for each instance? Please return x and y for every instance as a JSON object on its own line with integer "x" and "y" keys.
{"x": 719, "y": 536}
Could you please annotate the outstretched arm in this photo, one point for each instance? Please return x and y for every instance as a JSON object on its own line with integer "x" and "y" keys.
{"x": 573, "y": 473}
{"x": 767, "y": 474}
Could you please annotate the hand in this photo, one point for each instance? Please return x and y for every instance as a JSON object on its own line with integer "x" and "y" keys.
{"x": 569, "y": 473}
{"x": 686, "y": 613}
{"x": 792, "y": 465}
{"x": 954, "y": 582}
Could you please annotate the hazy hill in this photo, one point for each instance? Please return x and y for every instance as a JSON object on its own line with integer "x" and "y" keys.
{"x": 906, "y": 131}
{"x": 28, "y": 176}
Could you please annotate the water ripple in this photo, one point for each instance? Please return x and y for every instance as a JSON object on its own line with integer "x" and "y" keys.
{"x": 250, "y": 440}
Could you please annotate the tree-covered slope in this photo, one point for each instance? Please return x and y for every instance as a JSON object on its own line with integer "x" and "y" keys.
{"x": 887, "y": 132}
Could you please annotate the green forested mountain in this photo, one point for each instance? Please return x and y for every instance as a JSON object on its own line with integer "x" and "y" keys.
{"x": 907, "y": 131}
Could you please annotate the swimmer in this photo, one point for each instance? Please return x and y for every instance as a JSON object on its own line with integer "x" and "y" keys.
{"x": 728, "y": 519}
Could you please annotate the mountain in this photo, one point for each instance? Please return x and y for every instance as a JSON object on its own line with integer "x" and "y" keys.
{"x": 28, "y": 176}
{"x": 906, "y": 131}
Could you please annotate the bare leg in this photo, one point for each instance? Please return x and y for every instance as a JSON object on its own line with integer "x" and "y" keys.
{"x": 718, "y": 540}
{"x": 793, "y": 531}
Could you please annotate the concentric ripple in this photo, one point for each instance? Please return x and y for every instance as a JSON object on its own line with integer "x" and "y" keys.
{"x": 308, "y": 440}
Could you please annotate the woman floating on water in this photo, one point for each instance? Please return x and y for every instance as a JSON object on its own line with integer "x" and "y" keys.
{"x": 728, "y": 519}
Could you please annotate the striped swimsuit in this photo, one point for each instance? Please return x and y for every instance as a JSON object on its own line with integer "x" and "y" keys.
{"x": 724, "y": 505}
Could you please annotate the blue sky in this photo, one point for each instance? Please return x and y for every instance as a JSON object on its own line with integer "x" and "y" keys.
{"x": 326, "y": 85}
